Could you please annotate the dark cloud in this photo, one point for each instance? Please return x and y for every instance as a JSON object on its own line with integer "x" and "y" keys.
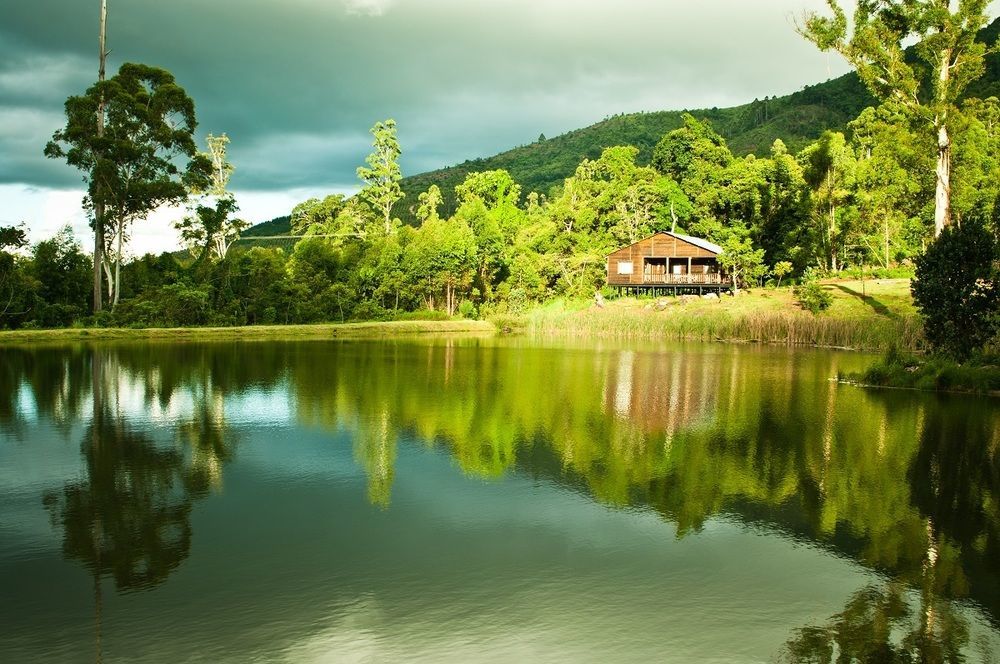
{"x": 297, "y": 83}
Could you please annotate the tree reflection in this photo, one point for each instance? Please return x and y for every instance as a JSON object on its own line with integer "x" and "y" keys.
{"x": 130, "y": 517}
{"x": 878, "y": 624}
{"x": 906, "y": 484}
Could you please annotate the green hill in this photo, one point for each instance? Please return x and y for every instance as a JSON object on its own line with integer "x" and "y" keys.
{"x": 797, "y": 119}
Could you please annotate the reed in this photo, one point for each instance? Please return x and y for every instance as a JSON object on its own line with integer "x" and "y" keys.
{"x": 760, "y": 318}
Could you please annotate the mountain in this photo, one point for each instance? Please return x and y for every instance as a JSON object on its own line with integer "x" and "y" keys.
{"x": 797, "y": 119}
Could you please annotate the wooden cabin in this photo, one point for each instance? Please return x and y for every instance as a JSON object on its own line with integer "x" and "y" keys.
{"x": 668, "y": 263}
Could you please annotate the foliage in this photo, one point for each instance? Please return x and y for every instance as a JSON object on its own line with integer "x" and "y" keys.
{"x": 899, "y": 369}
{"x": 172, "y": 305}
{"x": 131, "y": 167}
{"x": 12, "y": 278}
{"x": 957, "y": 289}
{"x": 813, "y": 297}
{"x": 380, "y": 179}
{"x": 209, "y": 228}
{"x": 780, "y": 270}
{"x": 490, "y": 242}
{"x": 948, "y": 57}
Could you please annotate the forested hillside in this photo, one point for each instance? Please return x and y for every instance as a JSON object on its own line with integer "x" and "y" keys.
{"x": 797, "y": 119}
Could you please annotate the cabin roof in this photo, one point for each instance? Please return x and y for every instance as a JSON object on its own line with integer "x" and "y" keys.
{"x": 696, "y": 241}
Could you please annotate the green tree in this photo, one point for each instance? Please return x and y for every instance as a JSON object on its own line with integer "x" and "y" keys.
{"x": 61, "y": 270}
{"x": 743, "y": 263}
{"x": 829, "y": 166}
{"x": 946, "y": 47}
{"x": 781, "y": 269}
{"x": 977, "y": 160}
{"x": 957, "y": 290}
{"x": 430, "y": 203}
{"x": 131, "y": 168}
{"x": 440, "y": 260}
{"x": 210, "y": 227}
{"x": 380, "y": 179}
{"x": 780, "y": 223}
{"x": 318, "y": 217}
{"x": 12, "y": 278}
{"x": 888, "y": 182}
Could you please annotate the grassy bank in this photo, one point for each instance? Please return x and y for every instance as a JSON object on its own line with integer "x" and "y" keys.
{"x": 906, "y": 371}
{"x": 319, "y": 331}
{"x": 872, "y": 316}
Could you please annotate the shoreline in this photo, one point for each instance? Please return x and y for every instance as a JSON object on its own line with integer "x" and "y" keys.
{"x": 366, "y": 330}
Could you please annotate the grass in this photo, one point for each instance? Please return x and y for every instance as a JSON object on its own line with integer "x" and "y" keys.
{"x": 903, "y": 370}
{"x": 873, "y": 316}
{"x": 327, "y": 331}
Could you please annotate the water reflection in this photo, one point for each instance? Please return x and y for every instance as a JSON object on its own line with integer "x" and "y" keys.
{"x": 128, "y": 517}
{"x": 907, "y": 485}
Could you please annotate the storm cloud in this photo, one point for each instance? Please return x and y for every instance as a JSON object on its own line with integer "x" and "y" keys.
{"x": 297, "y": 84}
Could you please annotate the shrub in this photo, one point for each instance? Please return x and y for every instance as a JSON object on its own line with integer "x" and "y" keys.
{"x": 466, "y": 309}
{"x": 957, "y": 290}
{"x": 813, "y": 298}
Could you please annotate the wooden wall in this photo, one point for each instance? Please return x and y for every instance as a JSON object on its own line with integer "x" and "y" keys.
{"x": 660, "y": 245}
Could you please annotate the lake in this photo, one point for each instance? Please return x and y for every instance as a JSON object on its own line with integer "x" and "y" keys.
{"x": 478, "y": 499}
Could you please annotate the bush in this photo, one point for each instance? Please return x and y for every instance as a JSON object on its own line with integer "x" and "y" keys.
{"x": 813, "y": 298}
{"x": 466, "y": 309}
{"x": 423, "y": 314}
{"x": 173, "y": 305}
{"x": 366, "y": 311}
{"x": 957, "y": 290}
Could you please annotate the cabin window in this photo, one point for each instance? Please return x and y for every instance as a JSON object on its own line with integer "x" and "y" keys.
{"x": 624, "y": 267}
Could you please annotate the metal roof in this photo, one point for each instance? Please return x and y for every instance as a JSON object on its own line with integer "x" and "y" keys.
{"x": 696, "y": 241}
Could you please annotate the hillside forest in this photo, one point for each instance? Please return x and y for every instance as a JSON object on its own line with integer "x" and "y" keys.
{"x": 856, "y": 197}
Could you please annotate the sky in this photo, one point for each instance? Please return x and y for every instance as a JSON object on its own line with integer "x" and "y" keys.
{"x": 296, "y": 84}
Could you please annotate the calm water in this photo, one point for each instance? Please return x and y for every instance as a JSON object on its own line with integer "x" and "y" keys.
{"x": 485, "y": 500}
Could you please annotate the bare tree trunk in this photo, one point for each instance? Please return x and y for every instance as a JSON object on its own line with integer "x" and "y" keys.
{"x": 99, "y": 206}
{"x": 118, "y": 268}
{"x": 942, "y": 196}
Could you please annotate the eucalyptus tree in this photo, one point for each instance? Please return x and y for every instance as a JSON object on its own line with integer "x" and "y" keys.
{"x": 380, "y": 179}
{"x": 829, "y": 167}
{"x": 317, "y": 217}
{"x": 210, "y": 227}
{"x": 948, "y": 59}
{"x": 430, "y": 202}
{"x": 135, "y": 163}
{"x": 889, "y": 186}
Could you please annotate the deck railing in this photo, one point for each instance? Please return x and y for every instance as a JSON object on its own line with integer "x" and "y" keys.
{"x": 682, "y": 279}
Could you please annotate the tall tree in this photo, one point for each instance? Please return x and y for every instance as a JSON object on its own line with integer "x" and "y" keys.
{"x": 889, "y": 161}
{"x": 210, "y": 227}
{"x": 381, "y": 177}
{"x": 948, "y": 59}
{"x": 132, "y": 165}
{"x": 829, "y": 167}
{"x": 99, "y": 204}
{"x": 11, "y": 281}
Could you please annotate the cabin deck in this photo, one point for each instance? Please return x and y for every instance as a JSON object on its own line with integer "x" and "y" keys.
{"x": 684, "y": 284}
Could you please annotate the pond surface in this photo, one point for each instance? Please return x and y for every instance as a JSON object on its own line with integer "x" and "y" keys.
{"x": 473, "y": 499}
